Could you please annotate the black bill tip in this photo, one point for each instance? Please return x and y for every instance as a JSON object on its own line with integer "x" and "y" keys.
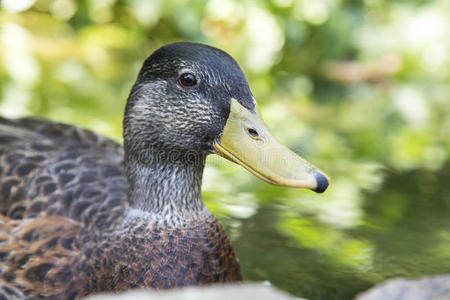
{"x": 322, "y": 182}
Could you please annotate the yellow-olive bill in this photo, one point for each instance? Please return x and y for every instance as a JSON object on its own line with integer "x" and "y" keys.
{"x": 247, "y": 141}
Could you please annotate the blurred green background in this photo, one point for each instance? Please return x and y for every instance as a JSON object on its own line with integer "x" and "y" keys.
{"x": 359, "y": 88}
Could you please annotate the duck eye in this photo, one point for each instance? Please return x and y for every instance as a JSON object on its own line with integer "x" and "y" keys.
{"x": 188, "y": 79}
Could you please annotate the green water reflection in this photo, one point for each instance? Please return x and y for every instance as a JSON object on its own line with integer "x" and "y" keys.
{"x": 404, "y": 230}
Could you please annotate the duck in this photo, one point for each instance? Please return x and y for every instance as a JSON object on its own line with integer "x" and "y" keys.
{"x": 82, "y": 214}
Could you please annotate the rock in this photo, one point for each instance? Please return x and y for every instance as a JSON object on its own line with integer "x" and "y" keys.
{"x": 216, "y": 292}
{"x": 427, "y": 288}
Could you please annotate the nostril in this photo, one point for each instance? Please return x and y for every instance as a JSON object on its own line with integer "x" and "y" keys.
{"x": 253, "y": 132}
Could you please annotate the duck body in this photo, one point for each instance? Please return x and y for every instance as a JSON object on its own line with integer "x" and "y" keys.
{"x": 81, "y": 214}
{"x": 64, "y": 196}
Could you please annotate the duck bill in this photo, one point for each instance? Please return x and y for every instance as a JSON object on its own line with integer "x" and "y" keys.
{"x": 247, "y": 141}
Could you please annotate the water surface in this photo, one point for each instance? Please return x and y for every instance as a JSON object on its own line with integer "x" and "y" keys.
{"x": 404, "y": 231}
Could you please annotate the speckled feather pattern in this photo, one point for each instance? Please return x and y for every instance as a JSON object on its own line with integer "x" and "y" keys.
{"x": 79, "y": 214}
{"x": 63, "y": 239}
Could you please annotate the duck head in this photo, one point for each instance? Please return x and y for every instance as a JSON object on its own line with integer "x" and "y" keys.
{"x": 192, "y": 99}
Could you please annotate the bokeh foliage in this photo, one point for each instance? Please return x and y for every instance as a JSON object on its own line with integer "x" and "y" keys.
{"x": 360, "y": 88}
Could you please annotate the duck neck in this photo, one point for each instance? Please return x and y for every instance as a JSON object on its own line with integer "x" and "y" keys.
{"x": 166, "y": 184}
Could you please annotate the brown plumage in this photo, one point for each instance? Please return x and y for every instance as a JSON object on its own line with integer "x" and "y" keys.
{"x": 67, "y": 230}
